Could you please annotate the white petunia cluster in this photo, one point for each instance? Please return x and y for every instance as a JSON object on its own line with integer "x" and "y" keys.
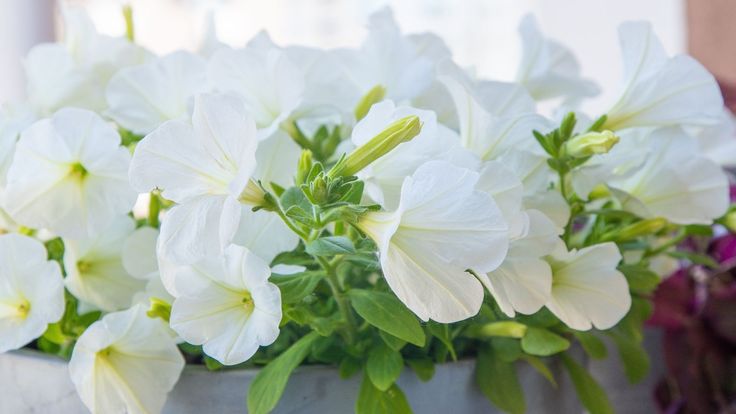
{"x": 469, "y": 207}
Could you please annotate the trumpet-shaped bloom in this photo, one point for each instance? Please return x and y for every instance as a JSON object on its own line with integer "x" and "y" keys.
{"x": 31, "y": 291}
{"x": 523, "y": 282}
{"x": 383, "y": 178}
{"x": 227, "y": 305}
{"x": 13, "y": 120}
{"x": 125, "y": 362}
{"x": 494, "y": 117}
{"x": 95, "y": 273}
{"x": 442, "y": 227}
{"x": 674, "y": 182}
{"x": 269, "y": 83}
{"x": 587, "y": 290}
{"x": 661, "y": 91}
{"x": 75, "y": 72}
{"x": 549, "y": 69}
{"x": 143, "y": 97}
{"x": 204, "y": 166}
{"x": 389, "y": 59}
{"x": 69, "y": 175}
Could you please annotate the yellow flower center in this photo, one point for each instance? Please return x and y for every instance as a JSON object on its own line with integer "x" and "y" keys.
{"x": 77, "y": 171}
{"x": 248, "y": 303}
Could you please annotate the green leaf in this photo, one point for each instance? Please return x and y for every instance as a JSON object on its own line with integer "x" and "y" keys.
{"x": 385, "y": 312}
{"x": 384, "y": 366}
{"x": 371, "y": 400}
{"x": 541, "y": 368}
{"x": 593, "y": 346}
{"x": 498, "y": 382}
{"x": 296, "y": 286}
{"x": 294, "y": 196}
{"x": 695, "y": 258}
{"x": 330, "y": 246}
{"x": 507, "y": 349}
{"x": 542, "y": 342}
{"x": 266, "y": 389}
{"x": 349, "y": 367}
{"x": 591, "y": 395}
{"x": 634, "y": 357}
{"x": 424, "y": 368}
{"x": 442, "y": 332}
{"x": 640, "y": 278}
{"x": 212, "y": 364}
{"x": 393, "y": 342}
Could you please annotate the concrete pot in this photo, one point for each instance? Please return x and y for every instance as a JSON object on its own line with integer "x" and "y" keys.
{"x": 31, "y": 382}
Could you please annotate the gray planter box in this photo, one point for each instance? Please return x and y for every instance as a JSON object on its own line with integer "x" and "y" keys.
{"x": 31, "y": 382}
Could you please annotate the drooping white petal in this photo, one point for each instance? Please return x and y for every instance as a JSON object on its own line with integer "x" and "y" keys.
{"x": 31, "y": 291}
{"x": 523, "y": 282}
{"x": 549, "y": 69}
{"x": 674, "y": 182}
{"x": 141, "y": 98}
{"x": 442, "y": 227}
{"x": 94, "y": 268}
{"x": 125, "y": 362}
{"x": 718, "y": 142}
{"x": 270, "y": 85}
{"x": 139, "y": 252}
{"x": 227, "y": 305}
{"x": 661, "y": 91}
{"x": 264, "y": 233}
{"x": 587, "y": 290}
{"x": 69, "y": 175}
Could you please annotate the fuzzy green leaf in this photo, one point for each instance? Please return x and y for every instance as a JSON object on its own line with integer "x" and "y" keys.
{"x": 499, "y": 383}
{"x": 385, "y": 312}
{"x": 590, "y": 393}
{"x": 330, "y": 246}
{"x": 384, "y": 366}
{"x": 542, "y": 342}
{"x": 371, "y": 400}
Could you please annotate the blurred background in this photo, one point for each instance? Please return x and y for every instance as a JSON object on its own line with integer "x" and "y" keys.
{"x": 481, "y": 33}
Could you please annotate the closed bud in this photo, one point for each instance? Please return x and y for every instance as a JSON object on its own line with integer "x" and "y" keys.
{"x": 159, "y": 309}
{"x": 400, "y": 131}
{"x": 304, "y": 167}
{"x": 730, "y": 221}
{"x": 591, "y": 143}
{"x": 373, "y": 96}
{"x": 318, "y": 189}
{"x": 643, "y": 228}
{"x": 253, "y": 195}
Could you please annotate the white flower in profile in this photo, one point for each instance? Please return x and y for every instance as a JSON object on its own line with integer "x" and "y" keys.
{"x": 523, "y": 280}
{"x": 442, "y": 227}
{"x": 494, "y": 117}
{"x": 674, "y": 182}
{"x": 125, "y": 362}
{"x": 76, "y": 72}
{"x": 389, "y": 59}
{"x": 95, "y": 272}
{"x": 141, "y": 98}
{"x": 205, "y": 167}
{"x": 718, "y": 142}
{"x": 14, "y": 118}
{"x": 659, "y": 90}
{"x": 227, "y": 305}
{"x": 31, "y": 291}
{"x": 587, "y": 290}
{"x": 269, "y": 83}
{"x": 548, "y": 69}
{"x": 384, "y": 177}
{"x": 69, "y": 175}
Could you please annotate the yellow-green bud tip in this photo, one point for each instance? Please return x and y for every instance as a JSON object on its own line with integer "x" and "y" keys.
{"x": 398, "y": 132}
{"x": 373, "y": 96}
{"x": 591, "y": 143}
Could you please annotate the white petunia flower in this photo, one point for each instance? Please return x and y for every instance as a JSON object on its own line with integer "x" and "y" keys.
{"x": 95, "y": 272}
{"x": 718, "y": 142}
{"x": 69, "y": 175}
{"x": 587, "y": 290}
{"x": 76, "y": 72}
{"x": 389, "y": 59}
{"x": 674, "y": 182}
{"x": 125, "y": 362}
{"x": 661, "y": 91}
{"x": 269, "y": 83}
{"x": 442, "y": 227}
{"x": 523, "y": 282}
{"x": 143, "y": 97}
{"x": 383, "y": 178}
{"x": 227, "y": 305}
{"x": 13, "y": 120}
{"x": 31, "y": 291}
{"x": 204, "y": 166}
{"x": 549, "y": 69}
{"x": 494, "y": 117}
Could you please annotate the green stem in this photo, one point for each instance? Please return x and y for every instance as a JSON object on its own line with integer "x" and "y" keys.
{"x": 154, "y": 208}
{"x": 673, "y": 242}
{"x": 129, "y": 27}
{"x": 341, "y": 299}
